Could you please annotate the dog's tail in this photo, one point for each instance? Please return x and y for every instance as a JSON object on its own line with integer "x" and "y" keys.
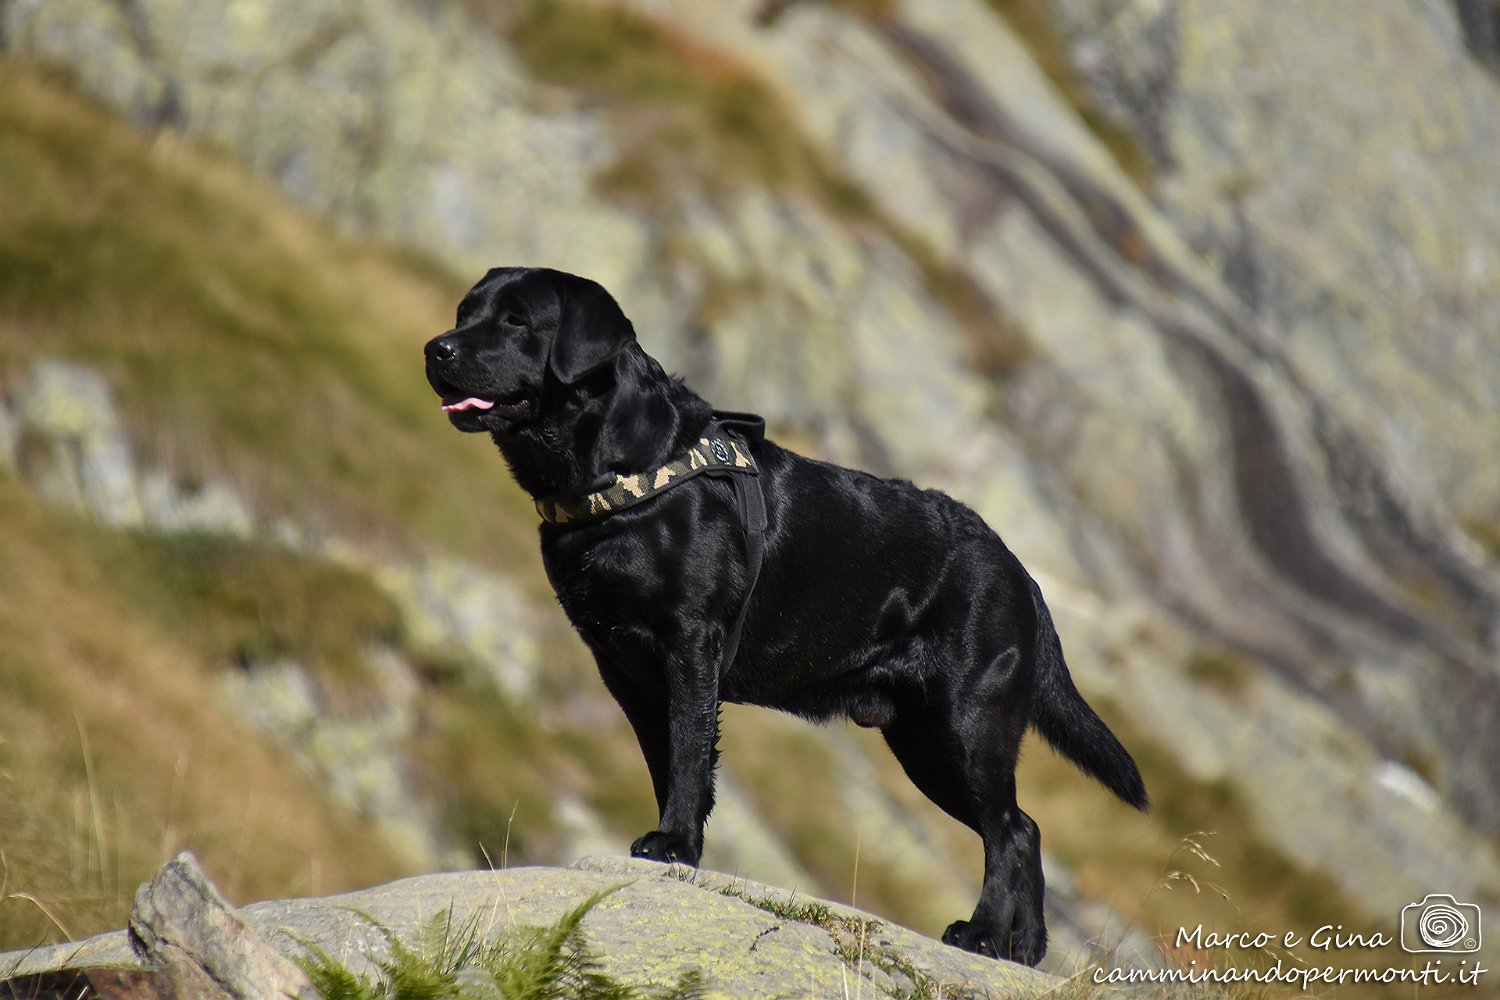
{"x": 1067, "y": 722}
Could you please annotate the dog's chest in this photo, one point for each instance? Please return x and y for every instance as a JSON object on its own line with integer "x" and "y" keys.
{"x": 597, "y": 594}
{"x": 624, "y": 601}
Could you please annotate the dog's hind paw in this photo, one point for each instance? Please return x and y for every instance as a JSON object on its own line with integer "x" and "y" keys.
{"x": 983, "y": 940}
{"x": 668, "y": 848}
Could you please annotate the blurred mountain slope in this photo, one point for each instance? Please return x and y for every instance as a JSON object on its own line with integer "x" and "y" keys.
{"x": 1237, "y": 414}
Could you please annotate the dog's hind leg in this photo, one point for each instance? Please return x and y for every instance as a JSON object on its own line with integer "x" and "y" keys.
{"x": 1008, "y": 921}
{"x": 962, "y": 754}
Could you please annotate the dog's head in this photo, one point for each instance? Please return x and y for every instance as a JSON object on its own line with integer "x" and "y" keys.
{"x": 523, "y": 336}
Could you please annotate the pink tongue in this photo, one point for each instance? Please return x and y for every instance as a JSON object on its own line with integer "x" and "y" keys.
{"x": 471, "y": 403}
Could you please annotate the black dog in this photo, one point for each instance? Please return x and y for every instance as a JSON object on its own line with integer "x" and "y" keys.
{"x": 894, "y": 606}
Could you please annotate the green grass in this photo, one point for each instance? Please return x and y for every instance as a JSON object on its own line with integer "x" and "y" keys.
{"x": 1486, "y": 533}
{"x": 762, "y": 749}
{"x": 454, "y": 962}
{"x": 500, "y": 767}
{"x": 241, "y": 601}
{"x": 492, "y": 763}
{"x": 1222, "y": 670}
{"x": 686, "y": 116}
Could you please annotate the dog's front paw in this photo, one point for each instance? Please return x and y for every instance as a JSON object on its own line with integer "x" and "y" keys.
{"x": 669, "y": 848}
{"x": 1023, "y": 945}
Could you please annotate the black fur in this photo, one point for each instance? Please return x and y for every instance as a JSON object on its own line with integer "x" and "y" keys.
{"x": 893, "y": 606}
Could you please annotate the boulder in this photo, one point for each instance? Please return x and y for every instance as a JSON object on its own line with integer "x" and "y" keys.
{"x": 654, "y": 925}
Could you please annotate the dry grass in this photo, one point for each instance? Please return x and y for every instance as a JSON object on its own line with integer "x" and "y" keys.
{"x": 116, "y": 756}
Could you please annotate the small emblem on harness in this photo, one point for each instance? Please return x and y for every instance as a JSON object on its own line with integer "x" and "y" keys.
{"x": 720, "y": 452}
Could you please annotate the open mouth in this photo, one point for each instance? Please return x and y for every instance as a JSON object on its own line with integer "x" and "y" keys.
{"x": 462, "y": 403}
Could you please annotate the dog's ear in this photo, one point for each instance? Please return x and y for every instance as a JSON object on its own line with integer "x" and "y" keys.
{"x": 591, "y": 329}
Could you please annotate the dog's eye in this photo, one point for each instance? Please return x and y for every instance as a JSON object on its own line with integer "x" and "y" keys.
{"x": 512, "y": 319}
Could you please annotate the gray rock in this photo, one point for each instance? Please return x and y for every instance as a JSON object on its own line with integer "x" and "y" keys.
{"x": 78, "y": 455}
{"x": 357, "y": 758}
{"x": 355, "y": 109}
{"x": 455, "y": 608}
{"x": 212, "y": 508}
{"x": 184, "y": 930}
{"x": 69, "y": 413}
{"x": 661, "y": 922}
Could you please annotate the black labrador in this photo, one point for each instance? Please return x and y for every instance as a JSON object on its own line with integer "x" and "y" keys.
{"x": 891, "y": 605}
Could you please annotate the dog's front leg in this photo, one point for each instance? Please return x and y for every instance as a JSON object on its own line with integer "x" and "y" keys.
{"x": 685, "y": 793}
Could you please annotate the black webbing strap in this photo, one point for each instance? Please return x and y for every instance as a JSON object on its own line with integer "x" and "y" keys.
{"x": 751, "y": 500}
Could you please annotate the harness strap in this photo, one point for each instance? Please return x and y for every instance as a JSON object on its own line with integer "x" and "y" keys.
{"x": 751, "y": 500}
{"x": 718, "y": 453}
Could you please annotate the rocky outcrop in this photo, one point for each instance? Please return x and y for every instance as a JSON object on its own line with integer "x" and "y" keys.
{"x": 63, "y": 435}
{"x": 194, "y": 944}
{"x": 358, "y": 758}
{"x": 657, "y": 924}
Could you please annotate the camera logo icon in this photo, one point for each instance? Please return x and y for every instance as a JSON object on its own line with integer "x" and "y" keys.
{"x": 1440, "y": 923}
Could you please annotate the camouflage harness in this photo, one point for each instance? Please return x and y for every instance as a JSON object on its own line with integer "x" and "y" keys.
{"x": 724, "y": 449}
{"x": 715, "y": 453}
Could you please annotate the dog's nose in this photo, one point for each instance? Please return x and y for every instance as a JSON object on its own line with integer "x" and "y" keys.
{"x": 440, "y": 350}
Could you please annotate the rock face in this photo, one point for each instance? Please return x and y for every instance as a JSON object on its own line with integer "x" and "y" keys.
{"x": 79, "y": 457}
{"x": 658, "y": 924}
{"x": 1256, "y": 409}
